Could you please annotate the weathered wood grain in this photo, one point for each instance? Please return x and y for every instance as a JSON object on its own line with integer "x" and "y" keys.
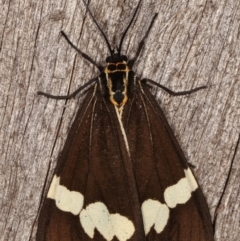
{"x": 192, "y": 43}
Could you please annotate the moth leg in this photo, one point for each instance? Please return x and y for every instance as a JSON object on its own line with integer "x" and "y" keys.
{"x": 85, "y": 56}
{"x": 186, "y": 92}
{"x": 141, "y": 44}
{"x": 64, "y": 97}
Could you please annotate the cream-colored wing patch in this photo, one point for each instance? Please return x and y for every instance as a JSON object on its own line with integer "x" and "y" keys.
{"x": 157, "y": 214}
{"x": 66, "y": 200}
{"x": 180, "y": 192}
{"x": 87, "y": 223}
{"x": 154, "y": 214}
{"x": 96, "y": 215}
{"x": 123, "y": 227}
{"x": 191, "y": 179}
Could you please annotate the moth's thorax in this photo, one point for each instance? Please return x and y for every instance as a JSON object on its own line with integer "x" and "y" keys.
{"x": 117, "y": 82}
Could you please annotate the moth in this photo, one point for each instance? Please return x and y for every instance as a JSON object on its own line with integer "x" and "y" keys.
{"x": 122, "y": 174}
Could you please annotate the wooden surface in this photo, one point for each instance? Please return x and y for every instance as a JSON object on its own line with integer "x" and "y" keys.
{"x": 192, "y": 43}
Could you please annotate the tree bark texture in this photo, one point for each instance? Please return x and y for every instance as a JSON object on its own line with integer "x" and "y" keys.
{"x": 192, "y": 43}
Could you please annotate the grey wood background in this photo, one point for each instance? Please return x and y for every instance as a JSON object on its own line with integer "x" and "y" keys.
{"x": 192, "y": 43}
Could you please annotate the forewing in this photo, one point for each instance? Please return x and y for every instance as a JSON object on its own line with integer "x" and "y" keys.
{"x": 91, "y": 196}
{"x": 173, "y": 205}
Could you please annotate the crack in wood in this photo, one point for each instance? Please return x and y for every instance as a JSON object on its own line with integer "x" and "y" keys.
{"x": 226, "y": 184}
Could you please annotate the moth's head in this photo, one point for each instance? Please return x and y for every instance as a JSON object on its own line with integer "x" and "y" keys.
{"x": 116, "y": 58}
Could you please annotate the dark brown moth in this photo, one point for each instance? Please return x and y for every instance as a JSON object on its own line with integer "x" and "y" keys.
{"x": 122, "y": 174}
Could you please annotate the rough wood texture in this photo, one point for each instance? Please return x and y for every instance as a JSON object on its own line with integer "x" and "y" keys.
{"x": 192, "y": 43}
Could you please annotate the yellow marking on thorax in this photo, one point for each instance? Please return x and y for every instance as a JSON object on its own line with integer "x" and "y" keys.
{"x": 109, "y": 82}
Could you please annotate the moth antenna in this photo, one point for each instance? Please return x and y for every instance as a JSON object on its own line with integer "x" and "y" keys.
{"x": 103, "y": 34}
{"x": 126, "y": 30}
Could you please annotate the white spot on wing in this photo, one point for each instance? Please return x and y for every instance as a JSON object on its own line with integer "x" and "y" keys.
{"x": 191, "y": 179}
{"x": 75, "y": 202}
{"x": 123, "y": 227}
{"x": 53, "y": 187}
{"x": 162, "y": 218}
{"x": 157, "y": 214}
{"x": 100, "y": 217}
{"x": 180, "y": 193}
{"x": 96, "y": 215}
{"x": 66, "y": 200}
{"x": 87, "y": 223}
{"x": 154, "y": 213}
{"x": 177, "y": 194}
